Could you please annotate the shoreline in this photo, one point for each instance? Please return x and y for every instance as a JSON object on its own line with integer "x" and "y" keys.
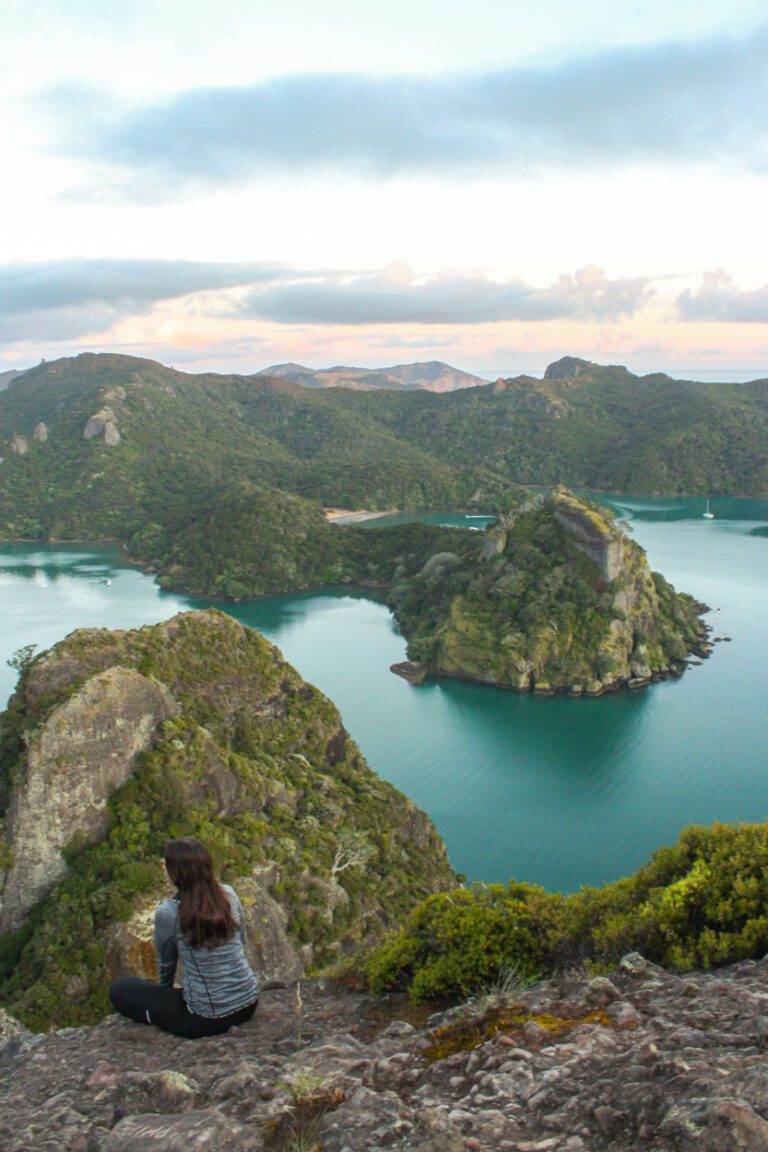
{"x": 350, "y": 516}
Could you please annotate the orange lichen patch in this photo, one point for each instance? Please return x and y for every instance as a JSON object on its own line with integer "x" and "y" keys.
{"x": 467, "y": 1033}
{"x": 560, "y": 1025}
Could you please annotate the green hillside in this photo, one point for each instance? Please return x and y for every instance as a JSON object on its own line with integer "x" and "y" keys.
{"x": 219, "y": 481}
{"x": 602, "y": 427}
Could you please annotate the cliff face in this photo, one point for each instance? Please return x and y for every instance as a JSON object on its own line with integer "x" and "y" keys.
{"x": 637, "y": 1060}
{"x": 116, "y": 740}
{"x": 561, "y": 599}
{"x": 74, "y": 759}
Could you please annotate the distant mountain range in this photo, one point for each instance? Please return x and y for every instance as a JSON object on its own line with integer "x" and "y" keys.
{"x": 427, "y": 376}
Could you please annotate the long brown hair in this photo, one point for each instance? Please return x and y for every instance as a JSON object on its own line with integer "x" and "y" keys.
{"x": 205, "y": 914}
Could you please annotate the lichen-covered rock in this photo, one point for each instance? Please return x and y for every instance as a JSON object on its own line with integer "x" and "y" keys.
{"x": 641, "y": 1059}
{"x": 194, "y": 1132}
{"x": 115, "y": 740}
{"x": 10, "y": 1028}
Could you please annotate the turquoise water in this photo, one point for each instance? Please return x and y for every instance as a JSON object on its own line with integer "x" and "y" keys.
{"x": 563, "y": 792}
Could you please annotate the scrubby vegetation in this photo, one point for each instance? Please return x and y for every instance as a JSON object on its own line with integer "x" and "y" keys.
{"x": 257, "y": 765}
{"x": 697, "y": 904}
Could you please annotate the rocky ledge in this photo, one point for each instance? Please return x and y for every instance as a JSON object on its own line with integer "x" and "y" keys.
{"x": 641, "y": 1059}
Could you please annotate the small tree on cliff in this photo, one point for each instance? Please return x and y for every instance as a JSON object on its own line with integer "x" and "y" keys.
{"x": 22, "y": 658}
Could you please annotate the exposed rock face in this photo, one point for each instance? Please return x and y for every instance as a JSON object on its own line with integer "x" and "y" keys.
{"x": 494, "y": 539}
{"x": 131, "y": 949}
{"x": 95, "y": 424}
{"x": 592, "y": 533}
{"x": 74, "y": 760}
{"x": 567, "y": 368}
{"x": 212, "y": 734}
{"x": 19, "y": 445}
{"x": 40, "y": 433}
{"x": 111, "y": 434}
{"x": 637, "y": 1060}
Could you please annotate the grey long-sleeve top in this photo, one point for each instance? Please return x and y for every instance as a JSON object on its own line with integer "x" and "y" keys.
{"x": 216, "y": 981}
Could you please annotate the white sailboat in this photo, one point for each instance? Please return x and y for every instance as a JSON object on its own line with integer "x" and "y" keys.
{"x": 708, "y": 515}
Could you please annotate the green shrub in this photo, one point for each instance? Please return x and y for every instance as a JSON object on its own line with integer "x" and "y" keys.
{"x": 698, "y": 904}
{"x": 457, "y": 942}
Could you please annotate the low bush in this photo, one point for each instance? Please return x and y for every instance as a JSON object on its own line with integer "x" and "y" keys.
{"x": 700, "y": 903}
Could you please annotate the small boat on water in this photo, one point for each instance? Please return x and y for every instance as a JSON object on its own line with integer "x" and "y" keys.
{"x": 708, "y": 515}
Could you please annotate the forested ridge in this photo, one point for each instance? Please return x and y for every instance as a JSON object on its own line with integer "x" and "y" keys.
{"x": 219, "y": 482}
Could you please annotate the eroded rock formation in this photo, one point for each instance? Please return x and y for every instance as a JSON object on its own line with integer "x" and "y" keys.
{"x": 74, "y": 760}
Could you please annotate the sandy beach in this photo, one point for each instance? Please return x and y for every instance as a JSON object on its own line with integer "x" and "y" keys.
{"x": 350, "y": 516}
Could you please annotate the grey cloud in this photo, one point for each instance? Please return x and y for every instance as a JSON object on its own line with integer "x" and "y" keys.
{"x": 66, "y": 283}
{"x": 67, "y": 299}
{"x": 719, "y": 299}
{"x": 396, "y": 297}
{"x": 680, "y": 101}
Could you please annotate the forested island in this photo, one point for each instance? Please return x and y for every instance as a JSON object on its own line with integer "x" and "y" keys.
{"x": 559, "y": 599}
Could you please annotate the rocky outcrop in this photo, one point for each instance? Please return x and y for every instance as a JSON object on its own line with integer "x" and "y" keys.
{"x": 114, "y": 740}
{"x": 592, "y": 532}
{"x": 411, "y": 671}
{"x": 131, "y": 949}
{"x": 19, "y": 445}
{"x": 74, "y": 760}
{"x": 41, "y": 432}
{"x": 103, "y": 424}
{"x": 638, "y": 1059}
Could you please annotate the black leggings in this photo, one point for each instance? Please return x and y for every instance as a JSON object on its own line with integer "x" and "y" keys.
{"x": 150, "y": 1003}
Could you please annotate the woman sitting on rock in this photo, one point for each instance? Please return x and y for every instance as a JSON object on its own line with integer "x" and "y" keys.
{"x": 203, "y": 924}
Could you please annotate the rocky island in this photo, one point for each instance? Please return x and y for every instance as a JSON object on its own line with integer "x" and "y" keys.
{"x": 560, "y": 598}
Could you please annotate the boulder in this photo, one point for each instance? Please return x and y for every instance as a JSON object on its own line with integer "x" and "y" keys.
{"x": 19, "y": 444}
{"x": 111, "y": 434}
{"x": 270, "y": 950}
{"x": 103, "y": 423}
{"x": 411, "y": 671}
{"x": 40, "y": 433}
{"x": 203, "y": 1131}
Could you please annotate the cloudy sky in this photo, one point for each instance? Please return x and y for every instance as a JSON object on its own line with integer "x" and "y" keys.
{"x": 225, "y": 185}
